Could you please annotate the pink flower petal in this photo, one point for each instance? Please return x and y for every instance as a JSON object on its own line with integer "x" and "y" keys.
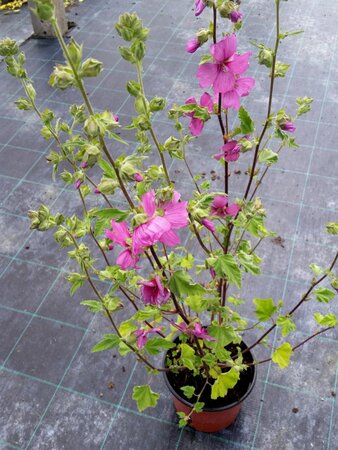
{"x": 224, "y": 49}
{"x": 206, "y": 74}
{"x": 233, "y": 210}
{"x": 231, "y": 99}
{"x": 126, "y": 260}
{"x": 148, "y": 203}
{"x": 176, "y": 214}
{"x": 224, "y": 82}
{"x": 244, "y": 86}
{"x": 170, "y": 238}
{"x": 196, "y": 126}
{"x": 240, "y": 63}
{"x": 206, "y": 101}
{"x": 119, "y": 233}
{"x": 149, "y": 233}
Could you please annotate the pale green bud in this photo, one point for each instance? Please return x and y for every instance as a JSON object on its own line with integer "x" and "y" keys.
{"x": 91, "y": 68}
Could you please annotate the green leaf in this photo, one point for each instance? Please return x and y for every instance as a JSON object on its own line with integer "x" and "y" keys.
{"x": 148, "y": 313}
{"x": 250, "y": 262}
{"x": 155, "y": 345}
{"x": 93, "y": 305}
{"x": 290, "y": 33}
{"x": 247, "y": 124}
{"x": 281, "y": 69}
{"x": 330, "y": 320}
{"x": 108, "y": 341}
{"x": 304, "y": 105}
{"x": 287, "y": 325}
{"x": 112, "y": 213}
{"x": 224, "y": 382}
{"x": 282, "y": 355}
{"x": 324, "y": 295}
{"x": 227, "y": 266}
{"x": 187, "y": 262}
{"x": 205, "y": 59}
{"x": 181, "y": 284}
{"x": 127, "y": 327}
{"x": 107, "y": 169}
{"x": 268, "y": 157}
{"x": 317, "y": 270}
{"x": 265, "y": 308}
{"x": 198, "y": 406}
{"x": 188, "y": 357}
{"x": 145, "y": 397}
{"x": 188, "y": 391}
{"x": 332, "y": 227}
{"x": 224, "y": 336}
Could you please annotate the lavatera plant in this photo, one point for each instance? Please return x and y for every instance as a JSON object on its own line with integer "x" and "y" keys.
{"x": 162, "y": 298}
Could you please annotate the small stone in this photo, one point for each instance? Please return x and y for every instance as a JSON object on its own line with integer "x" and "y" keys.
{"x": 110, "y": 385}
{"x": 123, "y": 369}
{"x": 333, "y": 393}
{"x": 295, "y": 410}
{"x": 237, "y": 172}
{"x": 101, "y": 394}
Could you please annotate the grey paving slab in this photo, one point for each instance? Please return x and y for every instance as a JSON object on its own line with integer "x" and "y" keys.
{"x": 22, "y": 401}
{"x": 45, "y": 349}
{"x": 23, "y": 285}
{"x": 72, "y": 422}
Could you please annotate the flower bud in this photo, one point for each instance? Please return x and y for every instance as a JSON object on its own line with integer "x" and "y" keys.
{"x": 8, "y": 47}
{"x": 138, "y": 48}
{"x": 208, "y": 224}
{"x": 235, "y": 16}
{"x": 62, "y": 77}
{"x": 265, "y": 57}
{"x": 133, "y": 88}
{"x": 192, "y": 45}
{"x": 44, "y": 9}
{"x": 75, "y": 53}
{"x": 90, "y": 127}
{"x": 288, "y": 126}
{"x": 138, "y": 177}
{"x": 157, "y": 104}
{"x": 91, "y": 68}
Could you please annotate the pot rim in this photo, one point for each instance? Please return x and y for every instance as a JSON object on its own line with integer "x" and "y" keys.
{"x": 219, "y": 408}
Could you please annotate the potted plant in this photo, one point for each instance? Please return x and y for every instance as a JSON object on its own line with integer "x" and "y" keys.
{"x": 164, "y": 298}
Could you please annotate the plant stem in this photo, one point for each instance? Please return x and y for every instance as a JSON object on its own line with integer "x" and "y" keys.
{"x": 272, "y": 82}
{"x": 151, "y": 130}
{"x": 81, "y": 87}
{"x": 301, "y": 301}
{"x": 296, "y": 346}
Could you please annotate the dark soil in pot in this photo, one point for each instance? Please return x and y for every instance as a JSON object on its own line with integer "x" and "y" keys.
{"x": 176, "y": 381}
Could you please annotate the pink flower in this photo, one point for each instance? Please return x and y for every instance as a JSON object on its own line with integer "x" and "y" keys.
{"x": 164, "y": 218}
{"x": 84, "y": 165}
{"x": 78, "y": 183}
{"x": 153, "y": 292}
{"x": 229, "y": 151}
{"x": 242, "y": 88}
{"x": 221, "y": 73}
{"x": 202, "y": 333}
{"x": 199, "y": 7}
{"x": 196, "y": 125}
{"x": 208, "y": 224}
{"x": 138, "y": 177}
{"x": 120, "y": 235}
{"x": 288, "y": 126}
{"x": 198, "y": 331}
{"x": 142, "y": 335}
{"x": 235, "y": 16}
{"x": 192, "y": 45}
{"x": 220, "y": 208}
